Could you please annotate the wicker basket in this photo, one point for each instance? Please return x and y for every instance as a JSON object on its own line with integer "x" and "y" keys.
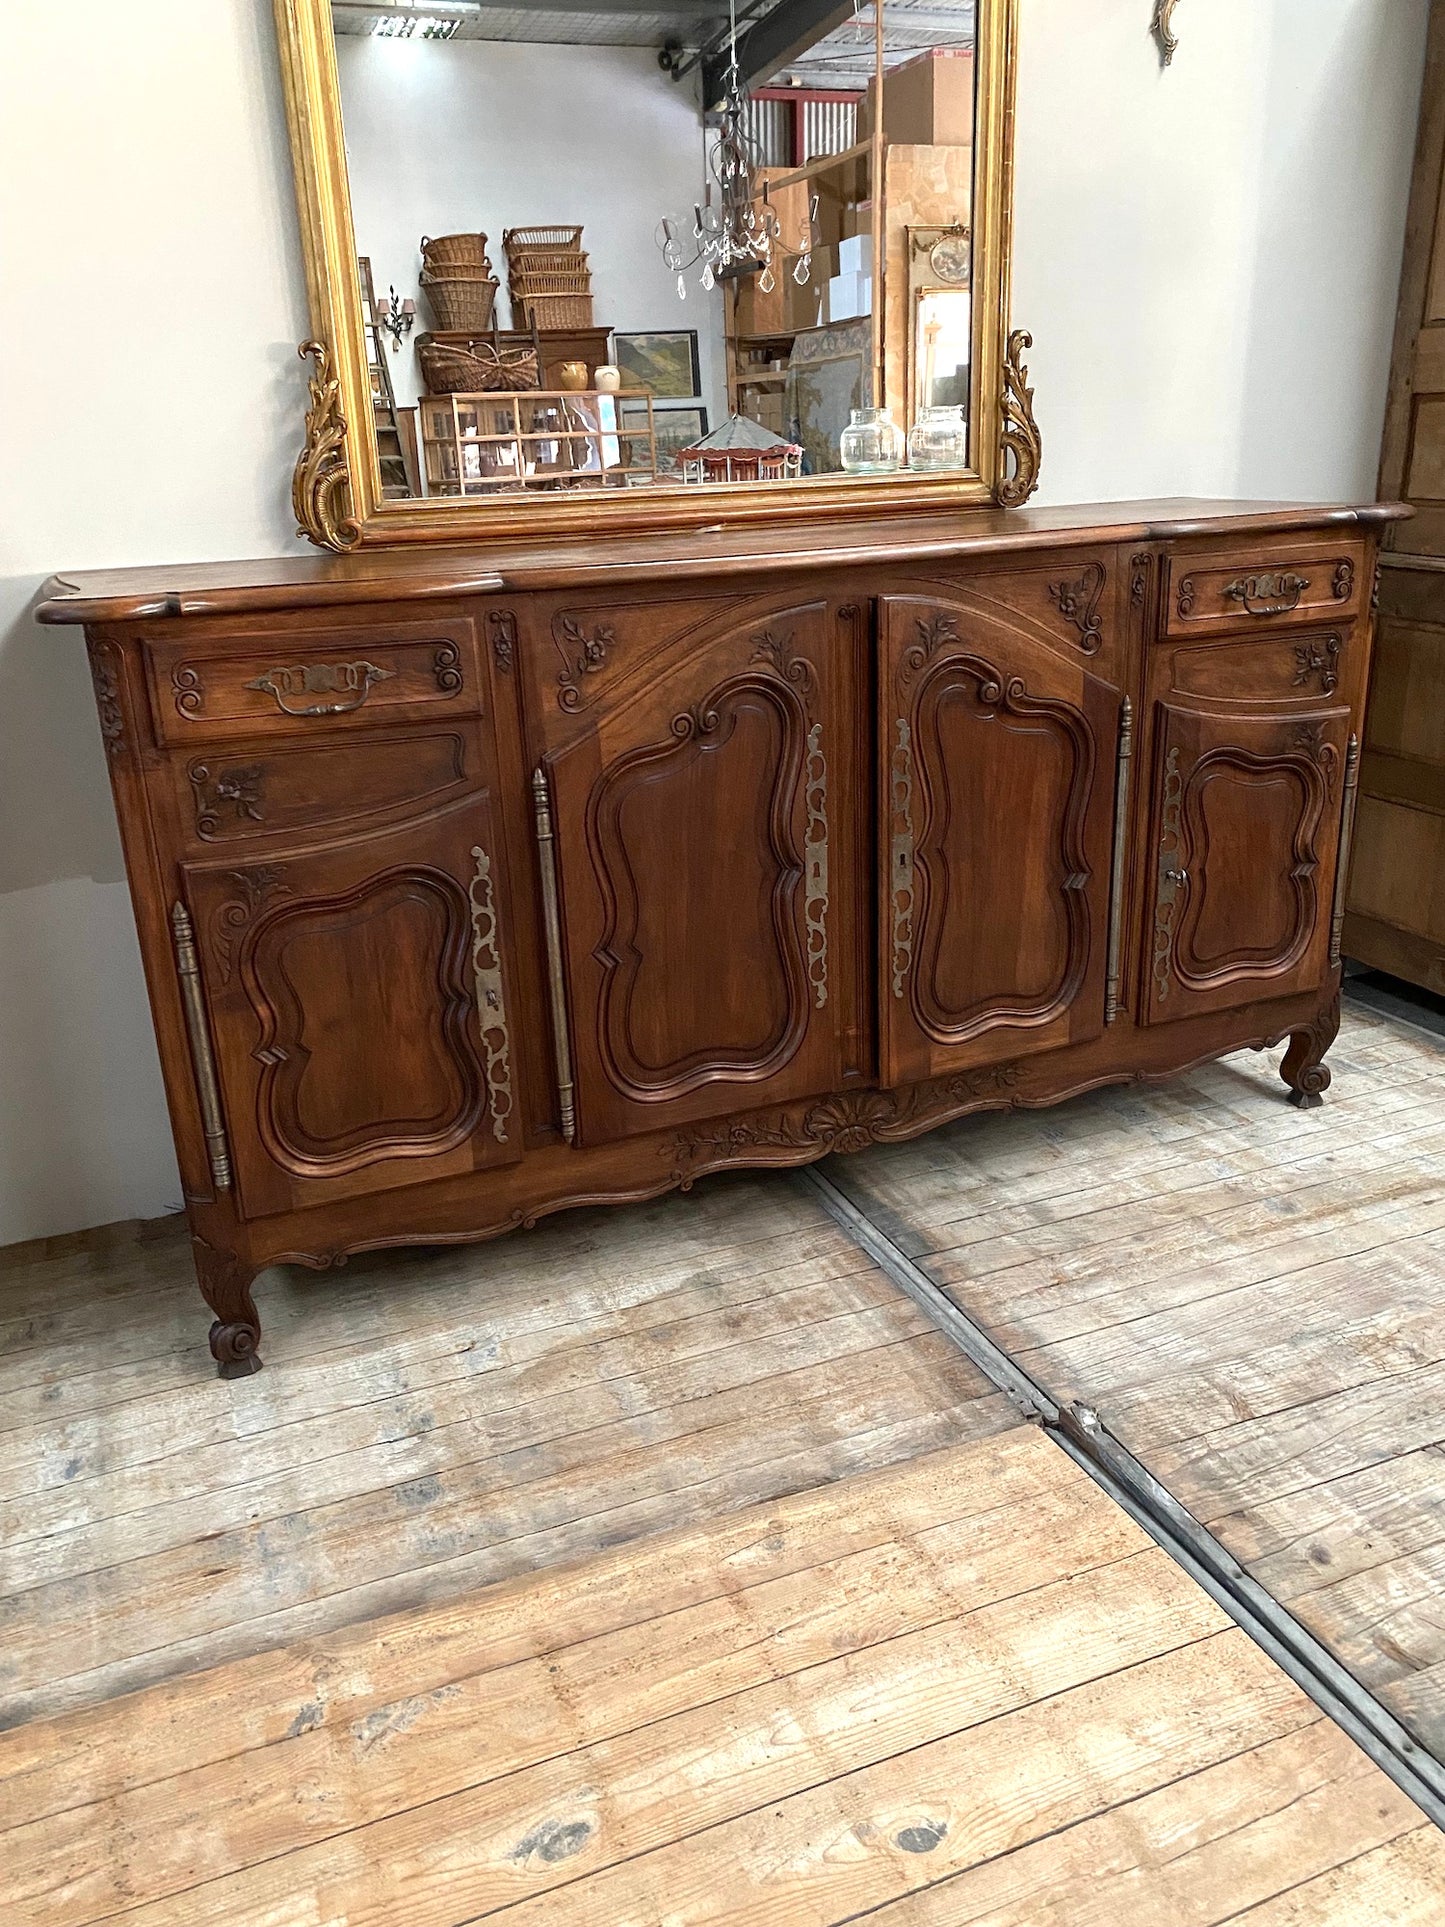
{"x": 541, "y": 240}
{"x": 456, "y": 251}
{"x": 526, "y": 282}
{"x": 485, "y": 369}
{"x": 551, "y": 311}
{"x": 459, "y": 304}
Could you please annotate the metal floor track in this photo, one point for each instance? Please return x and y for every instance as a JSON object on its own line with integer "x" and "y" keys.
{"x": 1079, "y": 1431}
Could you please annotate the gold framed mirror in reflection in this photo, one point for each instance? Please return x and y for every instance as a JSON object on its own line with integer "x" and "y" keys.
{"x": 635, "y": 267}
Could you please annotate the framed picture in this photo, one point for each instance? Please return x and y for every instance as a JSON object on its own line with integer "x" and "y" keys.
{"x": 664, "y": 365}
{"x": 676, "y": 429}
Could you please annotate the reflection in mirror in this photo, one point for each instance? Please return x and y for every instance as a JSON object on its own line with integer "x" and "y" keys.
{"x": 646, "y": 245}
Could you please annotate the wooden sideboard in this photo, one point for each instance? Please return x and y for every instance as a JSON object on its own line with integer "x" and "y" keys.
{"x": 476, "y": 884}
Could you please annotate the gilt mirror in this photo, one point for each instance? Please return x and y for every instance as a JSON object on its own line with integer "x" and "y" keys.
{"x": 652, "y": 263}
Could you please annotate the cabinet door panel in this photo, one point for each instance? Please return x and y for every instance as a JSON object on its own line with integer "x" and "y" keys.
{"x": 706, "y": 842}
{"x": 1000, "y": 798}
{"x": 357, "y": 996}
{"x": 1246, "y": 831}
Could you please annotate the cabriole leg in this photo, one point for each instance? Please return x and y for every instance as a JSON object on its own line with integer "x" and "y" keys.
{"x": 226, "y": 1287}
{"x": 1304, "y": 1068}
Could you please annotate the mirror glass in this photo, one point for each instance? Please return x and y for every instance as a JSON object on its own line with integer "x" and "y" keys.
{"x": 596, "y": 251}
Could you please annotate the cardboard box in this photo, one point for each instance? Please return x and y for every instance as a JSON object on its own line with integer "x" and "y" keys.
{"x": 855, "y": 255}
{"x": 849, "y": 297}
{"x": 927, "y": 102}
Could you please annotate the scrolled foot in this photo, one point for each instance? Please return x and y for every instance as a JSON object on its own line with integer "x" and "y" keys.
{"x": 225, "y": 1282}
{"x": 234, "y": 1349}
{"x": 1304, "y": 1068}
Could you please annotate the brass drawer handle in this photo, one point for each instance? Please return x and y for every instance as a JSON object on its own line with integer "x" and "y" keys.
{"x": 1268, "y": 595}
{"x": 353, "y": 682}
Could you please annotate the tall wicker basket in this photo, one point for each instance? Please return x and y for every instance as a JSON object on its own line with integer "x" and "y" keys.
{"x": 460, "y": 304}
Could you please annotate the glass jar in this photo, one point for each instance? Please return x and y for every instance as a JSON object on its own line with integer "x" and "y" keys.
{"x": 872, "y": 443}
{"x": 938, "y": 439}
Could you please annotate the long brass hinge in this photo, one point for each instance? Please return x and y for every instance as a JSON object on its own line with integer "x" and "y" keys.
{"x": 1117, "y": 879}
{"x": 1342, "y": 860}
{"x": 547, "y": 858}
{"x": 203, "y": 1062}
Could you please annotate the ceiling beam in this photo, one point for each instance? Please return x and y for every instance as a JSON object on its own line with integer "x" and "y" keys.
{"x": 785, "y": 34}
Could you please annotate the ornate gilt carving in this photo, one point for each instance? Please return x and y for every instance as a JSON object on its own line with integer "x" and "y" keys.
{"x": 491, "y": 999}
{"x": 1270, "y": 594}
{"x": 901, "y": 895}
{"x": 1118, "y": 878}
{"x": 1172, "y": 879}
{"x": 556, "y": 981}
{"x": 350, "y": 682}
{"x": 1078, "y": 603}
{"x": 1161, "y": 28}
{"x": 1019, "y": 434}
{"x": 1319, "y": 659}
{"x": 503, "y": 625}
{"x": 105, "y": 674}
{"x": 203, "y": 1063}
{"x": 235, "y": 917}
{"x": 235, "y": 791}
{"x": 847, "y": 1122}
{"x": 321, "y": 486}
{"x": 583, "y": 655}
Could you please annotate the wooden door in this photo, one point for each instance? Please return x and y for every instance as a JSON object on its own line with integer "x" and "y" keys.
{"x": 704, "y": 797}
{"x": 358, "y": 996}
{"x": 1245, "y": 827}
{"x": 1396, "y": 918}
{"x": 999, "y": 763}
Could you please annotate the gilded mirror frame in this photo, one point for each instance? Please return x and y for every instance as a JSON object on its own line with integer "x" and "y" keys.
{"x": 337, "y": 489}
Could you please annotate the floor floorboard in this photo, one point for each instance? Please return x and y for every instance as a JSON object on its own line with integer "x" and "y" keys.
{"x": 964, "y": 1688}
{"x": 1253, "y": 1298}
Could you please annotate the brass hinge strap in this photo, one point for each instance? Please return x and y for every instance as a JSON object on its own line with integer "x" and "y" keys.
{"x": 552, "y": 922}
{"x": 1117, "y": 877}
{"x": 1342, "y": 860}
{"x": 203, "y": 1062}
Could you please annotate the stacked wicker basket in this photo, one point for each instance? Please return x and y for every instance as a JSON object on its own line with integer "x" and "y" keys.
{"x": 459, "y": 283}
{"x": 548, "y": 277}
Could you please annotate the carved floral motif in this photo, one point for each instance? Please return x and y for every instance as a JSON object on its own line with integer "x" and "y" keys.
{"x": 503, "y": 625}
{"x": 321, "y": 486}
{"x": 847, "y": 1122}
{"x": 583, "y": 655}
{"x": 1319, "y": 659}
{"x": 1078, "y": 603}
{"x": 234, "y": 791}
{"x": 235, "y": 917}
{"x": 105, "y": 674}
{"x": 1019, "y": 436}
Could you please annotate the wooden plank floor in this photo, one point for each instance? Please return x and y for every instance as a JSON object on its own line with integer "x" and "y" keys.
{"x": 1253, "y": 1297}
{"x": 426, "y": 1424}
{"x": 962, "y": 1689}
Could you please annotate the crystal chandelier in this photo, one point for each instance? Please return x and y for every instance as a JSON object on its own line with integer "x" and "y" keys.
{"x": 739, "y": 234}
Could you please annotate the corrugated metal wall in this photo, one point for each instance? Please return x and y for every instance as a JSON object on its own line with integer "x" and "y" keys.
{"x": 829, "y": 126}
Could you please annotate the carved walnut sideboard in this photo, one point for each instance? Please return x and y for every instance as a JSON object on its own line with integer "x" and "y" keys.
{"x": 476, "y": 884}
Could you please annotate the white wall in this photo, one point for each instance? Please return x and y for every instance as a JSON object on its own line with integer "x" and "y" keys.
{"x": 446, "y": 137}
{"x": 1206, "y": 257}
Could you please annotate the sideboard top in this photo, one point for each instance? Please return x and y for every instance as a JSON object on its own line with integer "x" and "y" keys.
{"x": 718, "y": 550}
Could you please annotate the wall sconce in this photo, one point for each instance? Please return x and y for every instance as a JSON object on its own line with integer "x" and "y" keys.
{"x": 397, "y": 317}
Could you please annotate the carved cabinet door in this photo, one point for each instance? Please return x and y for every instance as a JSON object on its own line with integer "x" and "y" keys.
{"x": 1246, "y": 828}
{"x": 702, "y": 803}
{"x": 998, "y": 754}
{"x": 358, "y": 997}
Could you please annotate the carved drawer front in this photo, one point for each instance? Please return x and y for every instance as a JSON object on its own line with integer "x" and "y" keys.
{"x": 1245, "y": 828}
{"x": 1307, "y": 583}
{"x": 702, "y": 846}
{"x": 1004, "y": 776}
{"x": 326, "y": 679}
{"x": 359, "y": 1008}
{"x": 253, "y": 792}
{"x": 1267, "y": 667}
